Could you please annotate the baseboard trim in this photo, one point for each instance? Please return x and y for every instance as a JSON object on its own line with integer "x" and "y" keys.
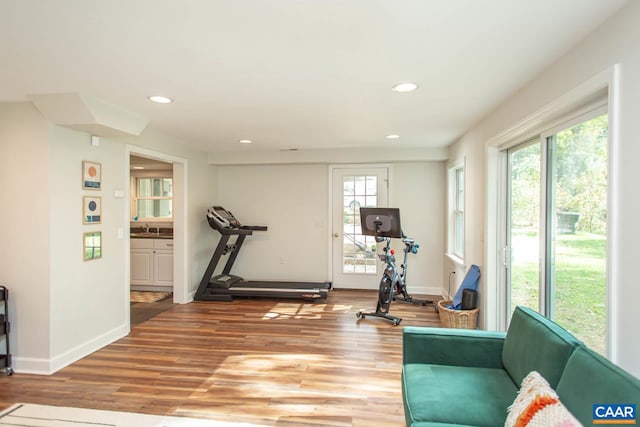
{"x": 417, "y": 290}
{"x": 40, "y": 366}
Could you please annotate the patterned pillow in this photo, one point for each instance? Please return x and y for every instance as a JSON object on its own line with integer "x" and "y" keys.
{"x": 537, "y": 405}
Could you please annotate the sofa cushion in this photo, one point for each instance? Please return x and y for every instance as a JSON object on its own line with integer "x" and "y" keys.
{"x": 589, "y": 379}
{"x": 535, "y": 343}
{"x": 438, "y": 394}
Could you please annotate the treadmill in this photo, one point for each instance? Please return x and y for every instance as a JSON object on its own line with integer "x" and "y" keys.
{"x": 225, "y": 286}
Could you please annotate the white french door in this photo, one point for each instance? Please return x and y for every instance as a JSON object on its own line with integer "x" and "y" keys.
{"x": 355, "y": 264}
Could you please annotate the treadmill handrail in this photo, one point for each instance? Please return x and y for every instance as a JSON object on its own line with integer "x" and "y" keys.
{"x": 254, "y": 227}
{"x": 235, "y": 231}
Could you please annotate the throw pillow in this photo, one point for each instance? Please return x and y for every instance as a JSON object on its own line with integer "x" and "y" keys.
{"x": 538, "y": 405}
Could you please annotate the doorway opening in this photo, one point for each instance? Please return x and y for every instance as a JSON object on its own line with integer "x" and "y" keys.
{"x": 156, "y": 252}
{"x": 151, "y": 237}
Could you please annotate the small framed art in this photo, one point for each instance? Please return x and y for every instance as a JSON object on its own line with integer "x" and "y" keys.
{"x": 91, "y": 175}
{"x": 92, "y": 245}
{"x": 91, "y": 210}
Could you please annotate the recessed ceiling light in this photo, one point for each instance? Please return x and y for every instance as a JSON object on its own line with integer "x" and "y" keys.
{"x": 392, "y": 136}
{"x": 245, "y": 141}
{"x": 160, "y": 99}
{"x": 405, "y": 87}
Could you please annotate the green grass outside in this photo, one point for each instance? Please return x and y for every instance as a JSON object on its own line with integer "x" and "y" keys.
{"x": 580, "y": 284}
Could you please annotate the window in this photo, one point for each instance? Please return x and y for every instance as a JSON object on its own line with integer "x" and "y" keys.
{"x": 556, "y": 247}
{"x": 154, "y": 197}
{"x": 455, "y": 246}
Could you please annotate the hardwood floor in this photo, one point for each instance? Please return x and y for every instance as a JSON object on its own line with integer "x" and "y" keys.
{"x": 141, "y": 312}
{"x": 278, "y": 363}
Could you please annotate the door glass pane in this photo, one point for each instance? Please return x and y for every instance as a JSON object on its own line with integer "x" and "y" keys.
{"x": 577, "y": 215}
{"x": 359, "y": 252}
{"x": 524, "y": 227}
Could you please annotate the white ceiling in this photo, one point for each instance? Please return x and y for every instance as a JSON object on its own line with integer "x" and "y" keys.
{"x": 291, "y": 73}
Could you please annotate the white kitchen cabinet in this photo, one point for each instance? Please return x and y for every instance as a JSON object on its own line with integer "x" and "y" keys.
{"x": 152, "y": 262}
{"x": 163, "y": 262}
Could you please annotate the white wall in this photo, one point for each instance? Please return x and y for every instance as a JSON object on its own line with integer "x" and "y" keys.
{"x": 63, "y": 308}
{"x": 419, "y": 190}
{"x": 616, "y": 42}
{"x": 87, "y": 297}
{"x": 24, "y": 226}
{"x": 292, "y": 200}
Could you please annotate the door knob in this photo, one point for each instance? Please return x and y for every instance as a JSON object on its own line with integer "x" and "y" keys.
{"x": 335, "y": 235}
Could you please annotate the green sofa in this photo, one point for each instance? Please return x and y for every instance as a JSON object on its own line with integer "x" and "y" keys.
{"x": 471, "y": 377}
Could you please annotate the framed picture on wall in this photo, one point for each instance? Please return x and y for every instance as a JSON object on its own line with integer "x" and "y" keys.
{"x": 92, "y": 245}
{"x": 91, "y": 210}
{"x": 91, "y": 175}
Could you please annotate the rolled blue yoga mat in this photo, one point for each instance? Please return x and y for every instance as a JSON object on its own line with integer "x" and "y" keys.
{"x": 470, "y": 281}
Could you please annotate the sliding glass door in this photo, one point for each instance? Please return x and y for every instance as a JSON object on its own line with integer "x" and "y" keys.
{"x": 556, "y": 249}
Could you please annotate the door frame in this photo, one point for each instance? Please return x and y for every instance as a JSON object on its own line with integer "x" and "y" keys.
{"x": 331, "y": 169}
{"x": 181, "y": 293}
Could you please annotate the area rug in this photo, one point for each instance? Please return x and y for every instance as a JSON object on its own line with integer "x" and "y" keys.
{"x": 148, "y": 297}
{"x": 28, "y": 415}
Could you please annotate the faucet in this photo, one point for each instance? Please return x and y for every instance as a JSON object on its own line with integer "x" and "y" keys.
{"x": 146, "y": 228}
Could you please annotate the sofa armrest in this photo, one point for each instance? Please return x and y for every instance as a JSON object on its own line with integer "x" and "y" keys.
{"x": 457, "y": 347}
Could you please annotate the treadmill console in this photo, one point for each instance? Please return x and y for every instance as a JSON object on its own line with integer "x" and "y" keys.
{"x": 219, "y": 217}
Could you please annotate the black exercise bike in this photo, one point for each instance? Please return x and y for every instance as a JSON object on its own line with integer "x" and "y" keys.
{"x": 384, "y": 224}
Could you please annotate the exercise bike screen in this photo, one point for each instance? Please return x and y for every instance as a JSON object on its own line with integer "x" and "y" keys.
{"x": 386, "y": 220}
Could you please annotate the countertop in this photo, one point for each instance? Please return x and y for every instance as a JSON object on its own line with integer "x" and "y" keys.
{"x": 151, "y": 235}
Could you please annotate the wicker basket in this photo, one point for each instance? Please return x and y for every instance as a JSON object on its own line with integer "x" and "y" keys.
{"x": 461, "y": 319}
